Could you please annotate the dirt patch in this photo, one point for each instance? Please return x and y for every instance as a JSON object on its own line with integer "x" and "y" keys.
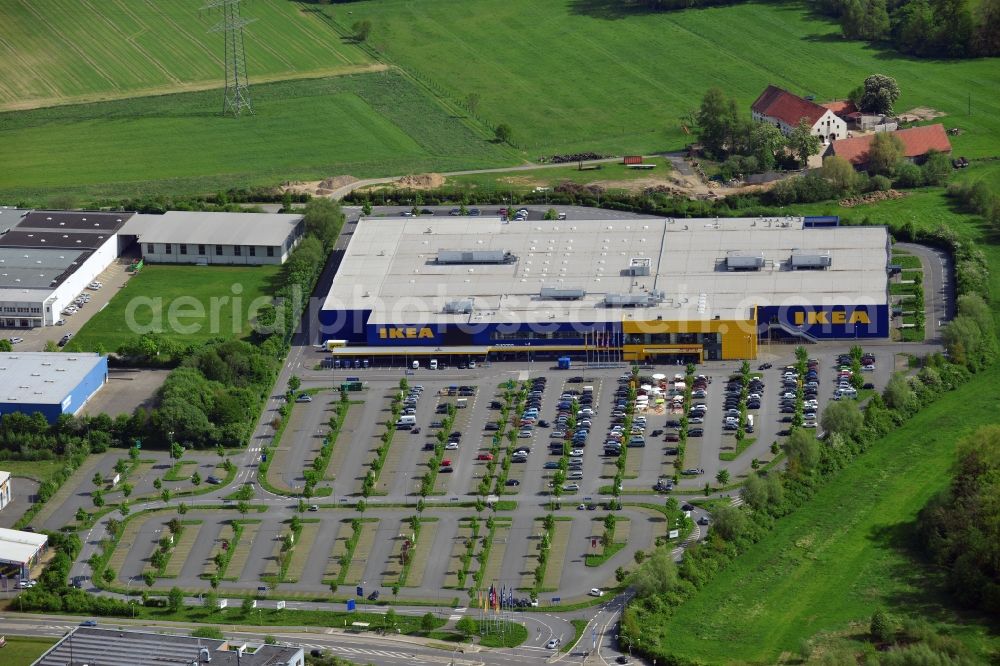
{"x": 318, "y": 187}
{"x": 521, "y": 180}
{"x": 422, "y": 181}
{"x": 920, "y": 113}
{"x": 872, "y": 197}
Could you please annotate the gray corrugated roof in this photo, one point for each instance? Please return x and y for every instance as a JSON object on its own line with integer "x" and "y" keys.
{"x": 36, "y": 268}
{"x": 391, "y": 268}
{"x": 212, "y": 228}
{"x": 113, "y": 647}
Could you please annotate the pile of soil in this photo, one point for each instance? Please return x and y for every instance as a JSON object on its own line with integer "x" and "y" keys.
{"x": 920, "y": 113}
{"x": 318, "y": 187}
{"x": 871, "y": 197}
{"x": 422, "y": 181}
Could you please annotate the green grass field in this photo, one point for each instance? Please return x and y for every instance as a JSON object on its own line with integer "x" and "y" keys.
{"x": 842, "y": 554}
{"x": 100, "y": 49}
{"x": 39, "y": 470}
{"x": 24, "y": 650}
{"x": 362, "y": 125}
{"x": 147, "y": 300}
{"x": 577, "y": 75}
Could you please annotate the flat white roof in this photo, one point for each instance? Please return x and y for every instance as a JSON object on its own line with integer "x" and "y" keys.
{"x": 212, "y": 228}
{"x": 18, "y": 546}
{"x": 33, "y": 378}
{"x": 391, "y": 268}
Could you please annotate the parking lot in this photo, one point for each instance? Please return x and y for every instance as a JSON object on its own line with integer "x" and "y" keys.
{"x": 453, "y": 544}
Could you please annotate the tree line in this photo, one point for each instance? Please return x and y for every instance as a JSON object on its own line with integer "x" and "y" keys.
{"x": 924, "y": 28}
{"x": 661, "y": 585}
{"x": 960, "y": 527}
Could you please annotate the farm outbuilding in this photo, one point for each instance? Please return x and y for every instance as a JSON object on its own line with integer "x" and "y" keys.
{"x": 917, "y": 143}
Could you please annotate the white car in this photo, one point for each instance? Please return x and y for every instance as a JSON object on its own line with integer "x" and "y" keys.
{"x": 576, "y": 453}
{"x": 575, "y": 474}
{"x": 451, "y": 446}
{"x": 16, "y": 340}
{"x": 571, "y": 487}
{"x": 596, "y": 592}
{"x": 869, "y": 368}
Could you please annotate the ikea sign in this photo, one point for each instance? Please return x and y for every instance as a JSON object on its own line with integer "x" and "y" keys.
{"x": 405, "y": 333}
{"x": 826, "y": 322}
{"x": 821, "y": 317}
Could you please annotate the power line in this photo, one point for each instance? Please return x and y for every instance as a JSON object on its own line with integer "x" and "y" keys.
{"x": 236, "y": 97}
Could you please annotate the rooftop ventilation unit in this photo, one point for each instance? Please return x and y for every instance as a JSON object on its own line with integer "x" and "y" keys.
{"x": 557, "y": 294}
{"x": 463, "y": 306}
{"x": 639, "y": 266}
{"x": 475, "y": 257}
{"x": 810, "y": 260}
{"x": 638, "y": 300}
{"x": 744, "y": 261}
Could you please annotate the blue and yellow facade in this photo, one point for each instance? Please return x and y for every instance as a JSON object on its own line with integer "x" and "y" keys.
{"x": 635, "y": 336}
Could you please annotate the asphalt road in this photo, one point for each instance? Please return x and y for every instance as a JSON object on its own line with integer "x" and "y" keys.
{"x": 939, "y": 287}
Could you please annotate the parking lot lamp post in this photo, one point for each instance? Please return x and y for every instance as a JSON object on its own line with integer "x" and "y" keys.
{"x": 130, "y": 600}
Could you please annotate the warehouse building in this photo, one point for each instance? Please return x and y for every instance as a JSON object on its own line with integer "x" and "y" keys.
{"x": 49, "y": 382}
{"x": 665, "y": 289}
{"x": 117, "y": 647}
{"x": 19, "y": 551}
{"x": 47, "y": 258}
{"x": 193, "y": 237}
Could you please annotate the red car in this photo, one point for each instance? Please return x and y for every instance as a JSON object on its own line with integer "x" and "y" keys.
{"x": 484, "y": 456}
{"x": 446, "y": 463}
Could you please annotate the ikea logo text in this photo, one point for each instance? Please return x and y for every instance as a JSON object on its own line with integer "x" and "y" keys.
{"x": 405, "y": 333}
{"x": 837, "y": 317}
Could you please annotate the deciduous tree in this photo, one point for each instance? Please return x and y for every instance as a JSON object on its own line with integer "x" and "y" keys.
{"x": 880, "y": 94}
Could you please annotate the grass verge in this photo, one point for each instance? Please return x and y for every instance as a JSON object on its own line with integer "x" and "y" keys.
{"x": 843, "y": 553}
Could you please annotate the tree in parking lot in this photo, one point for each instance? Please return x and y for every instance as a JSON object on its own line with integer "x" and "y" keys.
{"x": 466, "y": 626}
{"x": 722, "y": 478}
{"x": 803, "y": 452}
{"x": 843, "y": 418}
{"x": 175, "y": 599}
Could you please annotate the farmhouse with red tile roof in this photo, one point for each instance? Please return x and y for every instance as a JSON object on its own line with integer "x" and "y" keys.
{"x": 917, "y": 142}
{"x": 785, "y": 110}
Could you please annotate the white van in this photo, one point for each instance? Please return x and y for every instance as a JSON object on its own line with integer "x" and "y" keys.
{"x": 750, "y": 420}
{"x": 406, "y": 419}
{"x": 416, "y": 365}
{"x": 434, "y": 364}
{"x": 461, "y": 403}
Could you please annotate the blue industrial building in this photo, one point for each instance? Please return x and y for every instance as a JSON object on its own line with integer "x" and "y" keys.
{"x": 50, "y": 383}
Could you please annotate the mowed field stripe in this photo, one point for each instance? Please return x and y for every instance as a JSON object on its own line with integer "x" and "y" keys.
{"x": 70, "y": 44}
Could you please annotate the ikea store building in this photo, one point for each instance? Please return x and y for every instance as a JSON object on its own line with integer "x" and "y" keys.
{"x": 635, "y": 289}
